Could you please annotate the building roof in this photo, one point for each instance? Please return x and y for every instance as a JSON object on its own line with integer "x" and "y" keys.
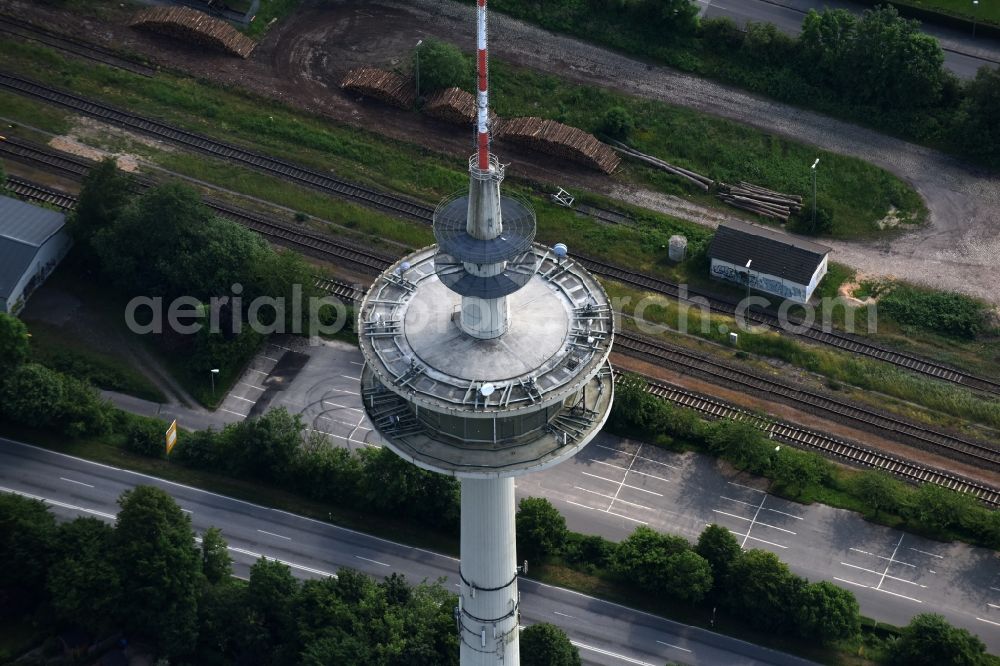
{"x": 772, "y": 251}
{"x": 23, "y": 229}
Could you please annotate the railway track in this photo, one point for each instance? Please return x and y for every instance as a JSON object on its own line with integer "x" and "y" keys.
{"x": 686, "y": 361}
{"x": 418, "y": 211}
{"x": 24, "y": 30}
{"x": 776, "y": 430}
{"x": 710, "y": 407}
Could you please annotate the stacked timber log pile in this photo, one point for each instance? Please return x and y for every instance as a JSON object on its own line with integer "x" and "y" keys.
{"x": 196, "y": 27}
{"x": 554, "y": 138}
{"x": 382, "y": 85}
{"x": 454, "y": 105}
{"x": 704, "y": 182}
{"x": 760, "y": 200}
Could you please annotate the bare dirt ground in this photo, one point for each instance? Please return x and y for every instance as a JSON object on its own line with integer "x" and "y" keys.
{"x": 302, "y": 60}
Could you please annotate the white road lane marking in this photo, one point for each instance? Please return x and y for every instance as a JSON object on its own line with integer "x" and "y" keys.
{"x": 608, "y": 653}
{"x": 883, "y": 575}
{"x": 64, "y": 505}
{"x": 564, "y": 615}
{"x": 293, "y": 565}
{"x": 275, "y": 535}
{"x": 924, "y": 552}
{"x": 677, "y": 647}
{"x": 79, "y": 483}
{"x": 733, "y": 515}
{"x": 381, "y": 564}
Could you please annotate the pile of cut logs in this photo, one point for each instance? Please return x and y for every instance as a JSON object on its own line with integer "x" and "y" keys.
{"x": 190, "y": 25}
{"x": 704, "y": 182}
{"x": 380, "y": 84}
{"x": 760, "y": 200}
{"x": 454, "y": 105}
{"x": 554, "y": 138}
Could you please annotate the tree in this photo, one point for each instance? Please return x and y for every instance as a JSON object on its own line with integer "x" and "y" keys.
{"x": 720, "y": 549}
{"x": 938, "y": 509}
{"x": 930, "y": 641}
{"x": 31, "y": 395}
{"x": 617, "y": 123}
{"x": 442, "y": 66}
{"x": 265, "y": 446}
{"x": 794, "y": 470}
{"x": 827, "y": 613}
{"x": 14, "y": 346}
{"x": 105, "y": 193}
{"x": 216, "y": 565}
{"x": 878, "y": 491}
{"x": 269, "y": 594}
{"x": 83, "y": 583}
{"x": 976, "y": 128}
{"x": 688, "y": 576}
{"x": 159, "y": 568}
{"x": 27, "y": 536}
{"x": 661, "y": 563}
{"x": 541, "y": 529}
{"x": 146, "y": 436}
{"x": 762, "y": 589}
{"x": 545, "y": 644}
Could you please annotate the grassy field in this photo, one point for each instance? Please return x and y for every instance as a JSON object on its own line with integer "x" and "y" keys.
{"x": 988, "y": 11}
{"x": 857, "y": 193}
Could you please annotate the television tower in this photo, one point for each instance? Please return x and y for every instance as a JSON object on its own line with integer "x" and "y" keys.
{"x": 486, "y": 357}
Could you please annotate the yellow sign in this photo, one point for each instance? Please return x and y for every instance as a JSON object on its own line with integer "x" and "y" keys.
{"x": 171, "y": 436}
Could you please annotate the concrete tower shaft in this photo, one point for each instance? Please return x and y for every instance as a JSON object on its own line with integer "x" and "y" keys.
{"x": 486, "y": 357}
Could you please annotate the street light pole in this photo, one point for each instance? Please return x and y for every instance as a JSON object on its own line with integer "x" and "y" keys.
{"x": 419, "y": 42}
{"x": 814, "y": 193}
{"x": 749, "y": 261}
{"x": 212, "y": 373}
{"x": 975, "y": 15}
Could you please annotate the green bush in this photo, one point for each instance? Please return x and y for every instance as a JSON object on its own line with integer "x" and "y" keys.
{"x": 617, "y": 123}
{"x": 951, "y": 314}
{"x": 146, "y": 436}
{"x": 930, "y": 641}
{"x": 541, "y": 529}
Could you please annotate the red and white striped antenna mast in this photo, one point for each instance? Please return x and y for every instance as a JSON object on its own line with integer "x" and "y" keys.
{"x": 483, "y": 90}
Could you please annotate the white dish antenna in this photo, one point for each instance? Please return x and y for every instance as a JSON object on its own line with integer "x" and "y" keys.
{"x": 487, "y": 389}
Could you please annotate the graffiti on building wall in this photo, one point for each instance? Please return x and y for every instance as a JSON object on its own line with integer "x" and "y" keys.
{"x": 760, "y": 282}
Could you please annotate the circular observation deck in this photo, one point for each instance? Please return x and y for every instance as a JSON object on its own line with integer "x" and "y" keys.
{"x": 457, "y": 404}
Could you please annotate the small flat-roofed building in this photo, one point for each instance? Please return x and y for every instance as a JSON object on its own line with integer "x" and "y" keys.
{"x": 780, "y": 264}
{"x": 33, "y": 240}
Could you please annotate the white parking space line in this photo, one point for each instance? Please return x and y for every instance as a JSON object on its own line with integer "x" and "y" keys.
{"x": 740, "y": 485}
{"x": 357, "y": 363}
{"x": 753, "y": 538}
{"x": 564, "y": 615}
{"x": 253, "y": 386}
{"x": 608, "y": 510}
{"x": 243, "y": 399}
{"x": 601, "y": 462}
{"x": 891, "y": 558}
{"x": 783, "y": 513}
{"x": 257, "y": 371}
{"x": 583, "y": 506}
{"x": 896, "y": 594}
{"x": 883, "y": 557}
{"x": 993, "y": 606}
{"x": 676, "y": 647}
{"x": 622, "y": 485}
{"x": 656, "y": 461}
{"x": 269, "y": 358}
{"x": 79, "y": 483}
{"x": 346, "y": 423}
{"x": 602, "y": 478}
{"x": 652, "y": 476}
{"x": 883, "y": 574}
{"x": 223, "y": 409}
{"x": 334, "y": 404}
{"x": 381, "y": 564}
{"x": 621, "y": 515}
{"x": 988, "y": 621}
{"x": 924, "y": 552}
{"x": 353, "y": 379}
{"x": 849, "y": 582}
{"x": 275, "y": 535}
{"x": 773, "y": 527}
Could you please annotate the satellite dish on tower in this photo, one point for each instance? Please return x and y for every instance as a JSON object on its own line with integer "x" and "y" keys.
{"x": 487, "y": 389}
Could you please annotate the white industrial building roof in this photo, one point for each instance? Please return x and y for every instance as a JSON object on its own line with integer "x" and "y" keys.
{"x": 23, "y": 229}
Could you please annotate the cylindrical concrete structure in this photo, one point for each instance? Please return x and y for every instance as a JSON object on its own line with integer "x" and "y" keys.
{"x": 488, "y": 612}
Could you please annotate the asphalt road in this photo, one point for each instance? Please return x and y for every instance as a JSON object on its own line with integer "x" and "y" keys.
{"x": 606, "y": 633}
{"x": 964, "y": 54}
